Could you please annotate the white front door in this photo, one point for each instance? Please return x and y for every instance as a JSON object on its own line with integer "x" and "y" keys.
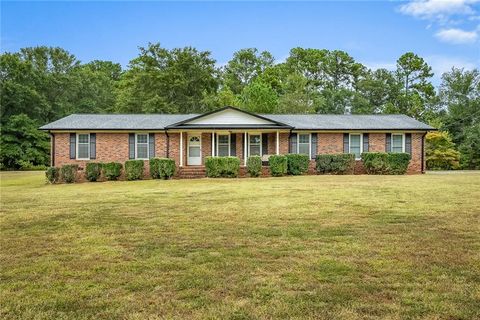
{"x": 194, "y": 150}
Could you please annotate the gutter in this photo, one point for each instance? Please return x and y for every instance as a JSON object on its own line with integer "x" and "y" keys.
{"x": 423, "y": 152}
{"x": 167, "y": 149}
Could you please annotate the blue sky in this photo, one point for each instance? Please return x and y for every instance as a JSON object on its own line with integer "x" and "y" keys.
{"x": 445, "y": 33}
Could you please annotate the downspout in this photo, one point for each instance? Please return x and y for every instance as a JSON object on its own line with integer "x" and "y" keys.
{"x": 167, "y": 149}
{"x": 52, "y": 150}
{"x": 423, "y": 152}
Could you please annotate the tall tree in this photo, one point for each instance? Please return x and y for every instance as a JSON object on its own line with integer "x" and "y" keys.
{"x": 245, "y": 66}
{"x": 258, "y": 97}
{"x": 168, "y": 81}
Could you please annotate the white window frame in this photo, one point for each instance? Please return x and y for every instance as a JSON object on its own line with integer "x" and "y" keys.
{"x": 217, "y": 142}
{"x": 78, "y": 143}
{"x": 309, "y": 143}
{"x": 261, "y": 142}
{"x": 136, "y": 145}
{"x": 350, "y": 143}
{"x": 403, "y": 141}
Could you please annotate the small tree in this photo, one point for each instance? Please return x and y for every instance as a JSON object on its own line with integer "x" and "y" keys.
{"x": 440, "y": 151}
{"x": 470, "y": 148}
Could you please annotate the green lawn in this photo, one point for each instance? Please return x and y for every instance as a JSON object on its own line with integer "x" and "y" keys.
{"x": 346, "y": 247}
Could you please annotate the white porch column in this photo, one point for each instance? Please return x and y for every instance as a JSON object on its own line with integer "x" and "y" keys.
{"x": 181, "y": 149}
{"x": 278, "y": 143}
{"x": 245, "y": 149}
{"x": 213, "y": 143}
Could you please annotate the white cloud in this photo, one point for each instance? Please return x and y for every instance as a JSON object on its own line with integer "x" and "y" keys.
{"x": 441, "y": 64}
{"x": 438, "y": 9}
{"x": 457, "y": 36}
{"x": 381, "y": 65}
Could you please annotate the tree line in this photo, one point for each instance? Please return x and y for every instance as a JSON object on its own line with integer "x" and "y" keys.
{"x": 43, "y": 84}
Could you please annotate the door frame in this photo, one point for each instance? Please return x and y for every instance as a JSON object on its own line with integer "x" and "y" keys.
{"x": 188, "y": 148}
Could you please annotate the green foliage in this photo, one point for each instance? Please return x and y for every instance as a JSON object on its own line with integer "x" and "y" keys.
{"x": 28, "y": 166}
{"x": 254, "y": 166}
{"x": 440, "y": 151}
{"x": 342, "y": 163}
{"x": 68, "y": 173}
{"x": 52, "y": 174}
{"x": 258, "y": 97}
{"x": 297, "y": 164}
{"x": 225, "y": 167}
{"x": 278, "y": 165}
{"x": 22, "y": 145}
{"x": 93, "y": 170}
{"x": 112, "y": 170}
{"x": 162, "y": 168}
{"x": 470, "y": 148}
{"x": 134, "y": 169}
{"x": 385, "y": 162}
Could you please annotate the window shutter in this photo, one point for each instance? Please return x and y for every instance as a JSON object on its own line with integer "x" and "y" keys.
{"x": 264, "y": 143}
{"x": 93, "y": 145}
{"x": 365, "y": 142}
{"x": 131, "y": 145}
{"x": 408, "y": 143}
{"x": 151, "y": 145}
{"x": 313, "y": 145}
{"x": 388, "y": 142}
{"x": 73, "y": 145}
{"x": 293, "y": 143}
{"x": 233, "y": 144}
{"x": 346, "y": 145}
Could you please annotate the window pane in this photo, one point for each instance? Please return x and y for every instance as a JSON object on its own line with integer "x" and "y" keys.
{"x": 356, "y": 151}
{"x": 354, "y": 141}
{"x": 397, "y": 149}
{"x": 142, "y": 151}
{"x": 83, "y": 138}
{"x": 304, "y": 148}
{"x": 254, "y": 139}
{"x": 194, "y": 151}
{"x": 304, "y": 138}
{"x": 223, "y": 139}
{"x": 223, "y": 150}
{"x": 142, "y": 138}
{"x": 397, "y": 143}
{"x": 83, "y": 151}
{"x": 254, "y": 150}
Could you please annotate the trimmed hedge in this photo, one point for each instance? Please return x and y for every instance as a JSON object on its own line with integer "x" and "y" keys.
{"x": 68, "y": 173}
{"x": 342, "y": 163}
{"x": 254, "y": 166}
{"x": 226, "y": 167}
{"x": 134, "y": 169}
{"x": 385, "y": 162}
{"x": 278, "y": 165}
{"x": 112, "y": 170}
{"x": 297, "y": 164}
{"x": 93, "y": 170}
{"x": 52, "y": 174}
{"x": 162, "y": 168}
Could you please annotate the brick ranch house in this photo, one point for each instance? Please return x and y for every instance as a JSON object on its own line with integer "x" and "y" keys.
{"x": 188, "y": 138}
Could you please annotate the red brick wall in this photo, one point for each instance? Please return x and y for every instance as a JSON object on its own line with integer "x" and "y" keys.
{"x": 114, "y": 147}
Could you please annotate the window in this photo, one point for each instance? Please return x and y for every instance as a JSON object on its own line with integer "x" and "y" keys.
{"x": 255, "y": 145}
{"x": 303, "y": 145}
{"x": 141, "y": 146}
{"x": 83, "y": 146}
{"x": 223, "y": 145}
{"x": 356, "y": 145}
{"x": 397, "y": 142}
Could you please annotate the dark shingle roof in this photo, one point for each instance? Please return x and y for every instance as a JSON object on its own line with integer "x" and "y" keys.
{"x": 297, "y": 121}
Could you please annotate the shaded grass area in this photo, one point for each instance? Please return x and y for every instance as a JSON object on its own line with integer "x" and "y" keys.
{"x": 349, "y": 247}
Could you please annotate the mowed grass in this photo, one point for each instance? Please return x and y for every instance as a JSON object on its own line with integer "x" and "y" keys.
{"x": 314, "y": 247}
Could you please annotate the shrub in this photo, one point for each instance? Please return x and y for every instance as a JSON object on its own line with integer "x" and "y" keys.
{"x": 162, "y": 168}
{"x": 112, "y": 170}
{"x": 28, "y": 166}
{"x": 134, "y": 169}
{"x": 254, "y": 166}
{"x": 385, "y": 163}
{"x": 278, "y": 165}
{"x": 52, "y": 174}
{"x": 93, "y": 170}
{"x": 227, "y": 167}
{"x": 342, "y": 163}
{"x": 68, "y": 173}
{"x": 297, "y": 164}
